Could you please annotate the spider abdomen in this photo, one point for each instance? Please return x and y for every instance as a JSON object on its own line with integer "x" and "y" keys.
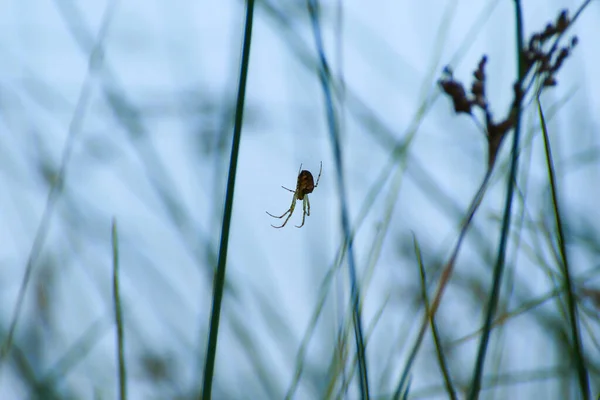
{"x": 306, "y": 184}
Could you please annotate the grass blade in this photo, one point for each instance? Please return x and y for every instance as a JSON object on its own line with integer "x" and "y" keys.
{"x": 499, "y": 267}
{"x": 434, "y": 330}
{"x": 219, "y": 279}
{"x": 571, "y": 303}
{"x": 118, "y": 314}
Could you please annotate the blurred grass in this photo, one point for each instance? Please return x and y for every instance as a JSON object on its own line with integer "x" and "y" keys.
{"x": 95, "y": 62}
{"x": 434, "y": 330}
{"x": 334, "y": 135}
{"x": 534, "y": 239}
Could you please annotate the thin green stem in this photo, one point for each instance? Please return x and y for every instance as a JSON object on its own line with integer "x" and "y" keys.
{"x": 118, "y": 314}
{"x": 219, "y": 279}
{"x": 571, "y": 302}
{"x": 499, "y": 267}
{"x": 434, "y": 330}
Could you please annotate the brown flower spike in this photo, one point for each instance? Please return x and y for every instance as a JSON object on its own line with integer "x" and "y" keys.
{"x": 544, "y": 63}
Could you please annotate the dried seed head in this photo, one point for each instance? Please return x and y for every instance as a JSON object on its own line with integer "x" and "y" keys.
{"x": 542, "y": 63}
{"x": 478, "y": 86}
{"x": 480, "y": 71}
{"x": 456, "y": 91}
{"x": 564, "y": 53}
{"x": 549, "y": 81}
{"x": 534, "y": 41}
{"x": 547, "y": 33}
{"x": 562, "y": 23}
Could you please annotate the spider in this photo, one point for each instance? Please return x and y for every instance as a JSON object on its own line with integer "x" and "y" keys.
{"x": 305, "y": 185}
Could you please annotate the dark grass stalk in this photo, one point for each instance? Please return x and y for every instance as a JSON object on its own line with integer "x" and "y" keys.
{"x": 499, "y": 267}
{"x": 95, "y": 62}
{"x": 118, "y": 314}
{"x": 219, "y": 279}
{"x": 571, "y": 301}
{"x": 324, "y": 75}
{"x": 434, "y": 330}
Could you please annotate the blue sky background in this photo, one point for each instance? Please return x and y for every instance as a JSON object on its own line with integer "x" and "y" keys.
{"x": 153, "y": 150}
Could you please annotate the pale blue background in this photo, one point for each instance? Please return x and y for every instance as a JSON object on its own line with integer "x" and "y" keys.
{"x": 177, "y": 63}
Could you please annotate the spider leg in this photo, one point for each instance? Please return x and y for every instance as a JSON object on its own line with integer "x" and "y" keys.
{"x": 290, "y": 211}
{"x": 284, "y": 222}
{"x": 281, "y": 216}
{"x": 289, "y": 190}
{"x": 319, "y": 177}
{"x": 304, "y": 203}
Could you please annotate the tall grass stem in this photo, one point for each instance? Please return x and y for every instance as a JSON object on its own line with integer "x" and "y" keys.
{"x": 219, "y": 278}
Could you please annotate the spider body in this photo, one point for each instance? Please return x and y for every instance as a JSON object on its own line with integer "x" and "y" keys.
{"x": 305, "y": 185}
